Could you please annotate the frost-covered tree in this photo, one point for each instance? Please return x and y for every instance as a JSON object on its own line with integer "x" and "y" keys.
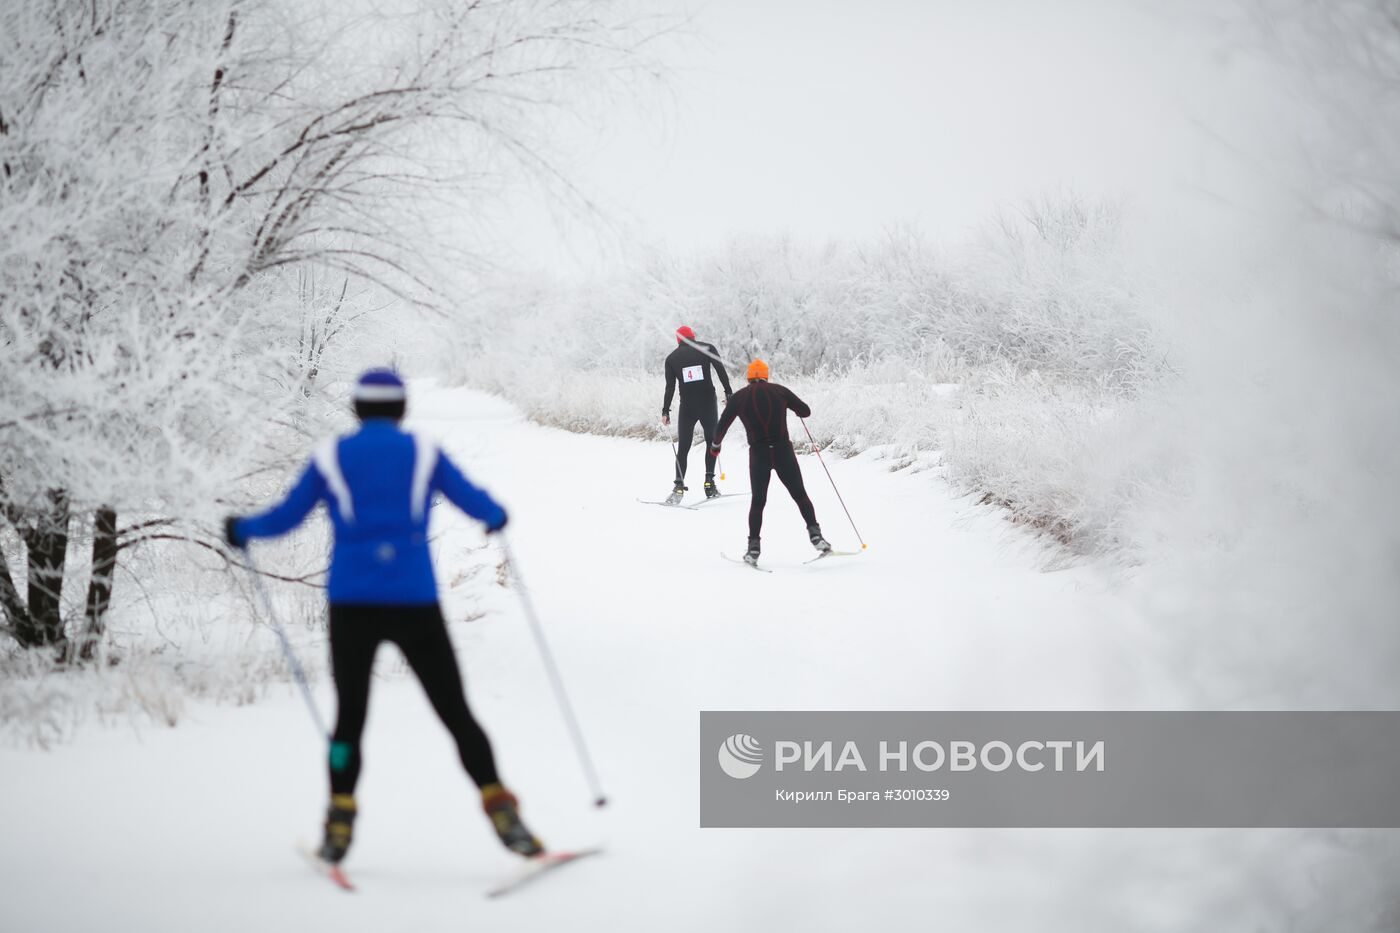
{"x": 190, "y": 190}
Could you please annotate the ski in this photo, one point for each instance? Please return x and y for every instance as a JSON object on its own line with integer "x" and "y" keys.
{"x": 723, "y": 495}
{"x": 832, "y": 554}
{"x": 735, "y": 560}
{"x": 669, "y": 505}
{"x": 537, "y": 866}
{"x": 325, "y": 869}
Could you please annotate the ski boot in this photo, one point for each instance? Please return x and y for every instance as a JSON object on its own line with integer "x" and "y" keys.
{"x": 340, "y": 822}
{"x": 677, "y": 494}
{"x": 814, "y": 534}
{"x": 711, "y": 490}
{"x": 751, "y": 555}
{"x": 504, "y": 810}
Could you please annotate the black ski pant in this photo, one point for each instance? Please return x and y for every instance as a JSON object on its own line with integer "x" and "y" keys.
{"x": 764, "y": 461}
{"x": 706, "y": 414}
{"x": 421, "y": 634}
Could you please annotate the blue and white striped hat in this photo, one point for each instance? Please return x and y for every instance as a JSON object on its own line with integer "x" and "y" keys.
{"x": 379, "y": 385}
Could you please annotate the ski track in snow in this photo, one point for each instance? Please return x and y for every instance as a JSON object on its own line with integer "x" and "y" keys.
{"x": 195, "y": 828}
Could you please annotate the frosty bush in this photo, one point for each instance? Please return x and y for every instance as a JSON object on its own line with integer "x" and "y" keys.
{"x": 895, "y": 342}
{"x": 167, "y": 645}
{"x": 1277, "y": 556}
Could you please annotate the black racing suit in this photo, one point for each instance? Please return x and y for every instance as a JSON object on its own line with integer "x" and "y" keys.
{"x": 763, "y": 408}
{"x": 690, "y": 366}
{"x": 421, "y": 634}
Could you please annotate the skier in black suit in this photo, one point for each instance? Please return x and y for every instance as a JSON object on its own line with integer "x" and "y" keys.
{"x": 692, "y": 365}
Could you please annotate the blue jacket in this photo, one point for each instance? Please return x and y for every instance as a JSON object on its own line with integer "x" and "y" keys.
{"x": 377, "y": 485}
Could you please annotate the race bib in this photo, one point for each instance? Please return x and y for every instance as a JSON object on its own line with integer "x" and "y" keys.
{"x": 693, "y": 374}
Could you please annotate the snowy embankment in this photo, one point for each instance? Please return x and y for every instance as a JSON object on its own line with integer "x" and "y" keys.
{"x": 192, "y": 828}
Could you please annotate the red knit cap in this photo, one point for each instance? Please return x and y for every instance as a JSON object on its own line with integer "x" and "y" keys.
{"x": 684, "y": 331}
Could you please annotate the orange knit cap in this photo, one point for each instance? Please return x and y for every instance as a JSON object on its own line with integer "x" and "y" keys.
{"x": 757, "y": 370}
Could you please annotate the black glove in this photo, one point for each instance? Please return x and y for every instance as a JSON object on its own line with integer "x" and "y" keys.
{"x": 231, "y": 534}
{"x": 727, "y": 397}
{"x": 714, "y": 449}
{"x": 496, "y": 526}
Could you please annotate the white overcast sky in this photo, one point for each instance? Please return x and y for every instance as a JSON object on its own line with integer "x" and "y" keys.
{"x": 832, "y": 119}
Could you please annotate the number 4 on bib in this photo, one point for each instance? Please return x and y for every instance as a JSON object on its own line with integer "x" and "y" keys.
{"x": 693, "y": 374}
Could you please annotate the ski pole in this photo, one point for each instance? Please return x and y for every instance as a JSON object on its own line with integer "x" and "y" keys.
{"x": 676, "y": 454}
{"x": 599, "y": 798}
{"x": 292, "y": 662}
{"x": 818, "y": 452}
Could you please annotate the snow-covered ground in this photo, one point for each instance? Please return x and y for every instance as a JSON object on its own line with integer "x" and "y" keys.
{"x": 193, "y": 828}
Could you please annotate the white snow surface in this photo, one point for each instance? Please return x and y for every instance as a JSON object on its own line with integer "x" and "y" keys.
{"x": 194, "y": 828}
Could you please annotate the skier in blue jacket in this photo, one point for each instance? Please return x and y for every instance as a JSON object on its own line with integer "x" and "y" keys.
{"x": 377, "y": 484}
